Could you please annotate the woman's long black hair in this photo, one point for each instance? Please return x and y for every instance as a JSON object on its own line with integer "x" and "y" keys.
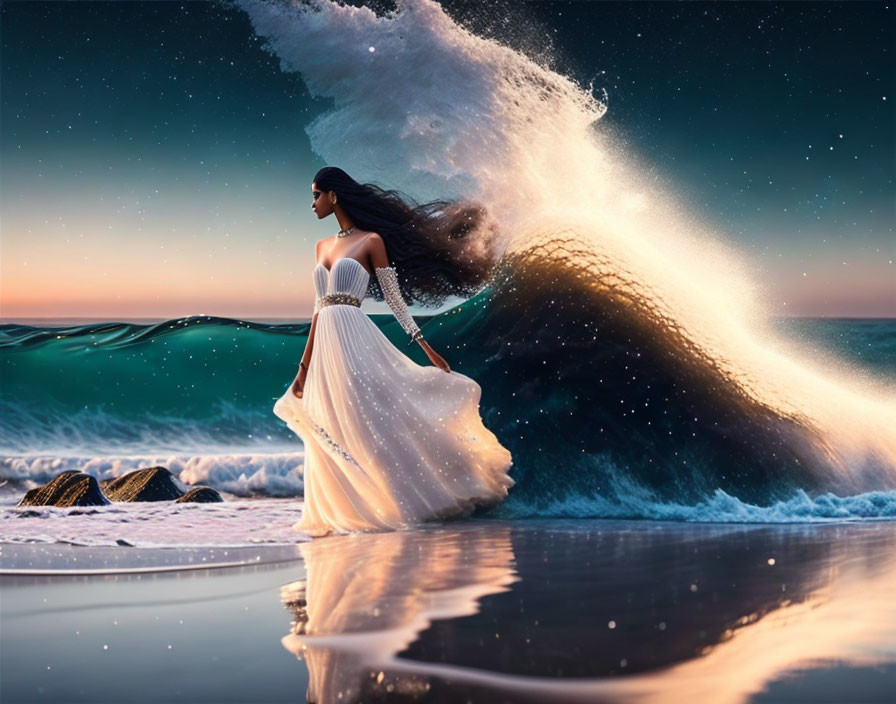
{"x": 438, "y": 249}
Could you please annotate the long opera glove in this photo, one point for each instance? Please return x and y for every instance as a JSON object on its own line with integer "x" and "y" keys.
{"x": 388, "y": 280}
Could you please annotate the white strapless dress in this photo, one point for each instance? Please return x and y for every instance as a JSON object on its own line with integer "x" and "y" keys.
{"x": 388, "y": 443}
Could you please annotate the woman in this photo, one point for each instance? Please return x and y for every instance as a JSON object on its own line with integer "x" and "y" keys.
{"x": 388, "y": 442}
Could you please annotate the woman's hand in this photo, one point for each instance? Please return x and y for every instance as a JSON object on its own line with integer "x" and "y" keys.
{"x": 298, "y": 386}
{"x": 435, "y": 357}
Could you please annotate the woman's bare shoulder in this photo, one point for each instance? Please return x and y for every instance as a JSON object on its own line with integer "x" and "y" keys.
{"x": 375, "y": 249}
{"x": 372, "y": 239}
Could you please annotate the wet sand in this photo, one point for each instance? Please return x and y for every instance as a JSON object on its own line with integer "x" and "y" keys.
{"x": 585, "y": 610}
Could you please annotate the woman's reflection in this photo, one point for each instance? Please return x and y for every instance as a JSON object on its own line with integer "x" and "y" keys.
{"x": 602, "y": 612}
{"x": 367, "y": 596}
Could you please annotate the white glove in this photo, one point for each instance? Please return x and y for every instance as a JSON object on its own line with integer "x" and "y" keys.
{"x": 388, "y": 280}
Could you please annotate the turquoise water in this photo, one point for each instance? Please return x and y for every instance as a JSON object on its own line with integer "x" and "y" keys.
{"x": 200, "y": 389}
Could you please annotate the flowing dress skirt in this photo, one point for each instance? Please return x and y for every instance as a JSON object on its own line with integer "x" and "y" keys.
{"x": 388, "y": 443}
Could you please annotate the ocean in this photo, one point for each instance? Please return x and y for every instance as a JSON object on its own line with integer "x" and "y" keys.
{"x": 704, "y": 498}
{"x": 195, "y": 395}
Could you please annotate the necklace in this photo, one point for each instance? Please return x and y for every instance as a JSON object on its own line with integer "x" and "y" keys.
{"x": 346, "y": 232}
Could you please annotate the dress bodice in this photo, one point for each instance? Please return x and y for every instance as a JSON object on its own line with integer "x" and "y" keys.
{"x": 347, "y": 276}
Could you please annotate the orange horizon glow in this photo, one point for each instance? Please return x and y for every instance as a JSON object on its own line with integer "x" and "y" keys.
{"x": 252, "y": 284}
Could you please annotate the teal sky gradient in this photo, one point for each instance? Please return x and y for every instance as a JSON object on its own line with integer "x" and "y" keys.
{"x": 154, "y": 163}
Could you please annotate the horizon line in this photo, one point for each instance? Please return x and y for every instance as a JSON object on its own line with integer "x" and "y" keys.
{"x": 158, "y": 319}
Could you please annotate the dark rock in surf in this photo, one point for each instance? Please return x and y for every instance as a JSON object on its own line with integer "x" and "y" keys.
{"x": 70, "y": 488}
{"x": 149, "y": 484}
{"x": 200, "y": 494}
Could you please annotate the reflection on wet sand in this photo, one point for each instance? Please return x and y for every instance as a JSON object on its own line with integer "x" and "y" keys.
{"x": 367, "y": 596}
{"x": 591, "y": 611}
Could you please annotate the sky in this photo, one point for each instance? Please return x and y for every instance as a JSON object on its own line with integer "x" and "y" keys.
{"x": 154, "y": 161}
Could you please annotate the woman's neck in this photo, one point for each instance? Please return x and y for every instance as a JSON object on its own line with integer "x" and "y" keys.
{"x": 344, "y": 220}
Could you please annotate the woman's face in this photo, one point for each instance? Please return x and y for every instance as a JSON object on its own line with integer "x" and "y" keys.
{"x": 320, "y": 202}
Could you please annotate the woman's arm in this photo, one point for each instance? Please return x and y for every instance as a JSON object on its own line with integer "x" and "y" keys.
{"x": 299, "y": 382}
{"x": 309, "y": 344}
{"x": 388, "y": 280}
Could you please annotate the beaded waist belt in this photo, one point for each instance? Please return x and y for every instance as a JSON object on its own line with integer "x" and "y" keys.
{"x": 333, "y": 299}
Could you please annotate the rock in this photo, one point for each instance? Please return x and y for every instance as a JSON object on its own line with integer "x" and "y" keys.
{"x": 30, "y": 496}
{"x": 69, "y": 488}
{"x": 148, "y": 484}
{"x": 200, "y": 494}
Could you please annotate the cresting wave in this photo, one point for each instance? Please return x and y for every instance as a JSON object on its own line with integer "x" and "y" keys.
{"x": 101, "y": 406}
{"x": 634, "y": 346}
{"x": 625, "y": 356}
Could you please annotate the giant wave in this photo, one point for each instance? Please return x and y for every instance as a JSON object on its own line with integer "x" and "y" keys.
{"x": 626, "y": 354}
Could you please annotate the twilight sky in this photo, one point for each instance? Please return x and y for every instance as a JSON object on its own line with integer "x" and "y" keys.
{"x": 154, "y": 163}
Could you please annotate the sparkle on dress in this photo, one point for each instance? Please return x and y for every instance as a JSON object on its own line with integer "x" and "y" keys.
{"x": 336, "y": 299}
{"x": 388, "y": 279}
{"x": 334, "y": 445}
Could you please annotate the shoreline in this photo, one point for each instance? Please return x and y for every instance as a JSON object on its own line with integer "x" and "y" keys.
{"x": 572, "y": 610}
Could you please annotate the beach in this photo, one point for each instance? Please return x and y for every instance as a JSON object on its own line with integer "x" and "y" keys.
{"x": 479, "y": 610}
{"x": 675, "y": 297}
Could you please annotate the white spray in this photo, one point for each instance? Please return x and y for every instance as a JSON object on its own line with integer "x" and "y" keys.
{"x": 423, "y": 105}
